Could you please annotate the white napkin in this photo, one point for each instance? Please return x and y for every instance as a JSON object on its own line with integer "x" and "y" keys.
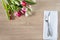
{"x": 54, "y": 25}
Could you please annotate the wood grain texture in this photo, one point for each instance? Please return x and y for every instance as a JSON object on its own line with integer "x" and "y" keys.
{"x": 26, "y": 28}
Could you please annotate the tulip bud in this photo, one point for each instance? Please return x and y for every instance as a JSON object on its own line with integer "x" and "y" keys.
{"x": 23, "y": 10}
{"x": 30, "y": 7}
{"x": 18, "y": 14}
{"x": 23, "y": 3}
{"x": 26, "y": 14}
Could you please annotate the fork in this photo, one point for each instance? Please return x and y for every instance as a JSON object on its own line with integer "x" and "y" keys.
{"x": 49, "y": 28}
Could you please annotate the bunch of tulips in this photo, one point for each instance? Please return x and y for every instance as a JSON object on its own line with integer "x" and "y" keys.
{"x": 17, "y": 8}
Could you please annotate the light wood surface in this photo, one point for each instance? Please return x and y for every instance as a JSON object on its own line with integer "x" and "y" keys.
{"x": 26, "y": 28}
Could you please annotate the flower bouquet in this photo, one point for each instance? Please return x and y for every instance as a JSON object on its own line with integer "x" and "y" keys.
{"x": 17, "y": 8}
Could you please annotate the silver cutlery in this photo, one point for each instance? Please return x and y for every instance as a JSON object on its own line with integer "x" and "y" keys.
{"x": 49, "y": 33}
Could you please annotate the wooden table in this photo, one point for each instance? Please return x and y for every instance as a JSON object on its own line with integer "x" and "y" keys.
{"x": 26, "y": 28}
